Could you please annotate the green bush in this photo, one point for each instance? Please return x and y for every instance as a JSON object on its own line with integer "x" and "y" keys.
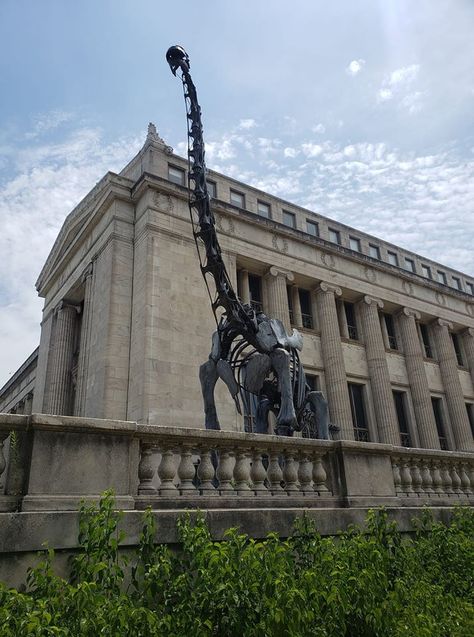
{"x": 360, "y": 584}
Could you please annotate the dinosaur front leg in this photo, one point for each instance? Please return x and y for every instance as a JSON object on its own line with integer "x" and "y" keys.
{"x": 208, "y": 376}
{"x": 319, "y": 407}
{"x": 286, "y": 419}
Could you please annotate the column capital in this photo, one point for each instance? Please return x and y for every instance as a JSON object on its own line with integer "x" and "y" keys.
{"x": 469, "y": 331}
{"x": 276, "y": 272}
{"x": 407, "y": 311}
{"x": 65, "y": 305}
{"x": 328, "y": 287}
{"x": 372, "y": 300}
{"x": 87, "y": 272}
{"x": 439, "y": 322}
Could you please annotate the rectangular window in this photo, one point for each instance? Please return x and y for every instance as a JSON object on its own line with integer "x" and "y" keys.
{"x": 442, "y": 277}
{"x": 457, "y": 349}
{"x": 426, "y": 271}
{"x": 470, "y": 415}
{"x": 335, "y": 236}
{"x": 312, "y": 228}
{"x": 349, "y": 310}
{"x": 425, "y": 340}
{"x": 211, "y": 188}
{"x": 354, "y": 244}
{"x": 255, "y": 288}
{"x": 438, "y": 415}
{"x": 289, "y": 219}
{"x": 237, "y": 198}
{"x": 313, "y": 382}
{"x": 374, "y": 251}
{"x": 457, "y": 283}
{"x": 176, "y": 175}
{"x": 359, "y": 419}
{"x": 392, "y": 258}
{"x": 264, "y": 209}
{"x": 391, "y": 334}
{"x": 399, "y": 398}
{"x": 409, "y": 264}
{"x": 470, "y": 288}
{"x": 305, "y": 303}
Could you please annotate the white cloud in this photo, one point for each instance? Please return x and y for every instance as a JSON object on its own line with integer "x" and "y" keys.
{"x": 384, "y": 94}
{"x": 48, "y": 121}
{"x": 319, "y": 128}
{"x": 398, "y": 85}
{"x": 246, "y": 124}
{"x": 290, "y": 152}
{"x": 404, "y": 75}
{"x": 355, "y": 67}
{"x": 311, "y": 150}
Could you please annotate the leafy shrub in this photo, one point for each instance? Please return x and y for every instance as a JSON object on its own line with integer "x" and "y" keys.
{"x": 364, "y": 583}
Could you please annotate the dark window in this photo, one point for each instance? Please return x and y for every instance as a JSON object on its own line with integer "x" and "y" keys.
{"x": 470, "y": 415}
{"x": 426, "y": 271}
{"x": 359, "y": 420}
{"x": 374, "y": 251}
{"x": 391, "y": 335}
{"x": 255, "y": 288}
{"x": 176, "y": 175}
{"x": 442, "y": 277}
{"x": 354, "y": 244}
{"x": 392, "y": 258}
{"x": 237, "y": 198}
{"x": 289, "y": 219}
{"x": 425, "y": 341}
{"x": 211, "y": 189}
{"x": 438, "y": 415}
{"x": 399, "y": 398}
{"x": 312, "y": 228}
{"x": 457, "y": 349}
{"x": 457, "y": 283}
{"x": 334, "y": 236}
{"x": 409, "y": 264}
{"x": 306, "y": 314}
{"x": 313, "y": 382}
{"x": 470, "y": 288}
{"x": 349, "y": 310}
{"x": 264, "y": 209}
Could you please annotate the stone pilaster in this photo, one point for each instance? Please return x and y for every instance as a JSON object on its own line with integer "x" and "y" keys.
{"x": 61, "y": 361}
{"x": 420, "y": 391}
{"x": 28, "y": 404}
{"x": 448, "y": 367}
{"x": 244, "y": 286}
{"x": 334, "y": 368}
{"x": 384, "y": 407}
{"x": 468, "y": 341}
{"x": 296, "y": 306}
{"x": 87, "y": 279}
{"x": 276, "y": 281}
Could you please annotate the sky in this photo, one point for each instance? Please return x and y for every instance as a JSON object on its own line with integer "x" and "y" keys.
{"x": 360, "y": 110}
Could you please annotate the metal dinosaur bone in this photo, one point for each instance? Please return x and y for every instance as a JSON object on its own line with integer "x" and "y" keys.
{"x": 253, "y": 354}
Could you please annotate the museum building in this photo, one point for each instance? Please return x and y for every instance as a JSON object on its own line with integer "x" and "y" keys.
{"x": 388, "y": 335}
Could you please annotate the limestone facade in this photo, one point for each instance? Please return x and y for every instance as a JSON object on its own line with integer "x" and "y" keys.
{"x": 127, "y": 320}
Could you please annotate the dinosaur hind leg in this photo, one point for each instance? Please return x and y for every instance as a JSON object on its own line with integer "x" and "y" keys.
{"x": 208, "y": 376}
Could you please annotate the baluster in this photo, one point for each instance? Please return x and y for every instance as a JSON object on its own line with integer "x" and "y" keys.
{"x": 416, "y": 480}
{"x": 186, "y": 471}
{"x": 242, "y": 472}
{"x": 258, "y": 473}
{"x": 319, "y": 475}
{"x": 465, "y": 482}
{"x": 455, "y": 480}
{"x": 225, "y": 472}
{"x": 206, "y": 473}
{"x": 470, "y": 474}
{"x": 437, "y": 478}
{"x": 427, "y": 480}
{"x": 397, "y": 481}
{"x": 305, "y": 474}
{"x": 290, "y": 472}
{"x": 167, "y": 472}
{"x": 405, "y": 476}
{"x": 274, "y": 473}
{"x": 146, "y": 470}
{"x": 446, "y": 479}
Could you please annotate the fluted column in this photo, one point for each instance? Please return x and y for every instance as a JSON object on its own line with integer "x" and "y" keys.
{"x": 448, "y": 367}
{"x": 61, "y": 362}
{"x": 384, "y": 406}
{"x": 276, "y": 281}
{"x": 420, "y": 391}
{"x": 314, "y": 309}
{"x": 334, "y": 368}
{"x": 244, "y": 286}
{"x": 295, "y": 301}
{"x": 468, "y": 341}
{"x": 84, "y": 348}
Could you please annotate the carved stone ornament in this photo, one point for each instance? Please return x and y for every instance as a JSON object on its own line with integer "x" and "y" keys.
{"x": 279, "y": 243}
{"x": 328, "y": 260}
{"x": 225, "y": 224}
{"x": 440, "y": 298}
{"x": 370, "y": 274}
{"x": 163, "y": 201}
{"x": 407, "y": 287}
{"x": 470, "y": 309}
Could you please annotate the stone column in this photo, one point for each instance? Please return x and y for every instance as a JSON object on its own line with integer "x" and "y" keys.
{"x": 28, "y": 403}
{"x": 314, "y": 309}
{"x": 61, "y": 359}
{"x": 295, "y": 301}
{"x": 334, "y": 368}
{"x": 244, "y": 286}
{"x": 448, "y": 367}
{"x": 276, "y": 281}
{"x": 468, "y": 341}
{"x": 384, "y": 406}
{"x": 84, "y": 348}
{"x": 341, "y": 317}
{"x": 420, "y": 392}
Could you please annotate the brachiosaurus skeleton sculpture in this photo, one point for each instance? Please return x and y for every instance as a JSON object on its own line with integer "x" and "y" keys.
{"x": 253, "y": 354}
